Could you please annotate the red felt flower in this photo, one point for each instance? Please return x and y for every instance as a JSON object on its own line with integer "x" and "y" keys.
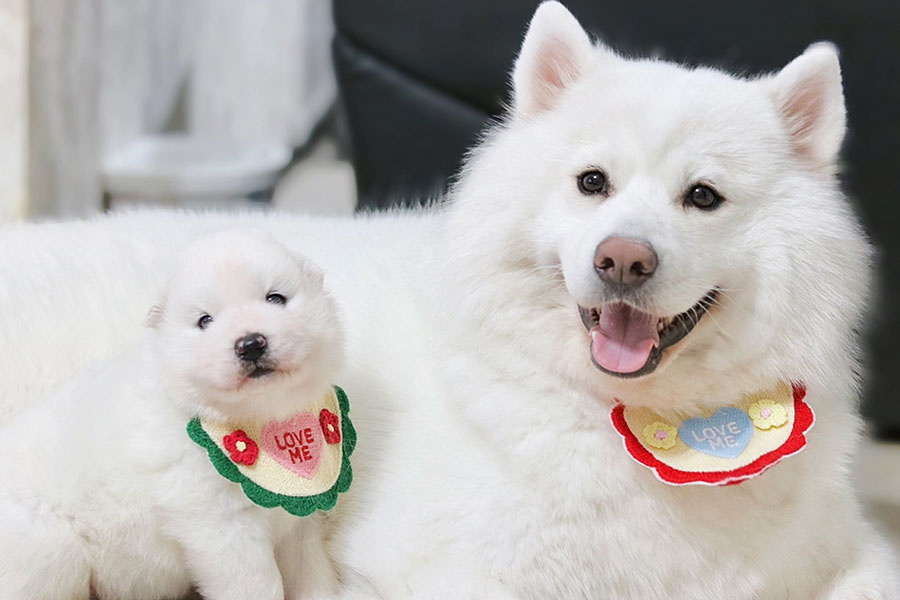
{"x": 331, "y": 427}
{"x": 242, "y": 448}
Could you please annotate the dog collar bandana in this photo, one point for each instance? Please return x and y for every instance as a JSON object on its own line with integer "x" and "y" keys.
{"x": 725, "y": 447}
{"x": 300, "y": 463}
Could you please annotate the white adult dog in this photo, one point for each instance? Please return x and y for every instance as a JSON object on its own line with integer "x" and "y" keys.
{"x": 103, "y": 491}
{"x": 487, "y": 466}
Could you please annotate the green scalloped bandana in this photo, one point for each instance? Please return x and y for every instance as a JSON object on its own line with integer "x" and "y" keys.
{"x": 300, "y": 463}
{"x": 725, "y": 447}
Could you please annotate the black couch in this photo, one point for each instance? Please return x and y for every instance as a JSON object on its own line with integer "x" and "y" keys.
{"x": 419, "y": 80}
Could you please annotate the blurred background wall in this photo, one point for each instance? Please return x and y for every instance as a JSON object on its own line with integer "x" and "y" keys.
{"x": 13, "y": 107}
{"x": 101, "y": 73}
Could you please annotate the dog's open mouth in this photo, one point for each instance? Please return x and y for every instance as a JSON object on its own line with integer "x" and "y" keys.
{"x": 628, "y": 342}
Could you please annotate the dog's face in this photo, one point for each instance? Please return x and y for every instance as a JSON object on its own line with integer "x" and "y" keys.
{"x": 245, "y": 325}
{"x": 693, "y": 215}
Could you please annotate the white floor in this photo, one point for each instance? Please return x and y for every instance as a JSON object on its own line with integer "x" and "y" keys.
{"x": 319, "y": 184}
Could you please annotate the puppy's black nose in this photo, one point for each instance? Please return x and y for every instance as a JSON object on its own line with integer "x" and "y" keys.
{"x": 250, "y": 347}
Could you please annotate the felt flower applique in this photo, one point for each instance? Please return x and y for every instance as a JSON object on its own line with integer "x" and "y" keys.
{"x": 660, "y": 435}
{"x": 767, "y": 413}
{"x": 243, "y": 449}
{"x": 330, "y": 426}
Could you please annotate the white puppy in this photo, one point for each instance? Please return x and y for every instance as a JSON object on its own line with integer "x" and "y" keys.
{"x": 103, "y": 491}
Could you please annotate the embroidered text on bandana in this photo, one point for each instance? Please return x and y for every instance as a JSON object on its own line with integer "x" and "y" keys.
{"x": 726, "y": 447}
{"x": 300, "y": 463}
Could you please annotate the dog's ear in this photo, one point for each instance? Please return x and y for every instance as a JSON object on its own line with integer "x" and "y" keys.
{"x": 810, "y": 97}
{"x": 155, "y": 314}
{"x": 555, "y": 53}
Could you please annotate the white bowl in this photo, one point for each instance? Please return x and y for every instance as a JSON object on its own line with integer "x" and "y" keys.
{"x": 182, "y": 167}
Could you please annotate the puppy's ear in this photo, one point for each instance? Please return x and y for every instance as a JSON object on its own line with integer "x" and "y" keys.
{"x": 155, "y": 314}
{"x": 554, "y": 55}
{"x": 809, "y": 95}
{"x": 314, "y": 273}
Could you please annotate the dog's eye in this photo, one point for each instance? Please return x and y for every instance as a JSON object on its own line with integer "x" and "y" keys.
{"x": 276, "y": 298}
{"x": 593, "y": 182}
{"x": 204, "y": 321}
{"x": 703, "y": 197}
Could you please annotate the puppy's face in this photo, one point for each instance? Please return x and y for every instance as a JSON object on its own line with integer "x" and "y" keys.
{"x": 245, "y": 323}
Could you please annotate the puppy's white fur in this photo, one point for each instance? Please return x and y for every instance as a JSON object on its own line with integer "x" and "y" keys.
{"x": 103, "y": 490}
{"x": 486, "y": 464}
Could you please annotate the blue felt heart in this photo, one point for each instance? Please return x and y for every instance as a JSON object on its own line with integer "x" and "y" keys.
{"x": 725, "y": 434}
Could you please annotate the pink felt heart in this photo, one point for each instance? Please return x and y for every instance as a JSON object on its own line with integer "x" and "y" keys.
{"x": 296, "y": 444}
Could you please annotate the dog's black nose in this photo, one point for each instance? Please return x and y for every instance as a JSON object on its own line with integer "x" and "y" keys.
{"x": 250, "y": 347}
{"x": 625, "y": 261}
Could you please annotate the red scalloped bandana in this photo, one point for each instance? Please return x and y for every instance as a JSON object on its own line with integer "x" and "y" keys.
{"x": 725, "y": 447}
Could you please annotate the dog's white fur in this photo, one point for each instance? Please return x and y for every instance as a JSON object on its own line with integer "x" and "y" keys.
{"x": 103, "y": 490}
{"x": 486, "y": 464}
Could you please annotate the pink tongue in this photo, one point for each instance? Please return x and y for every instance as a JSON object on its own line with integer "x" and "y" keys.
{"x": 624, "y": 338}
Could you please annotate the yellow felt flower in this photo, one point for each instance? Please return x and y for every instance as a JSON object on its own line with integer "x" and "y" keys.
{"x": 660, "y": 435}
{"x": 767, "y": 414}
